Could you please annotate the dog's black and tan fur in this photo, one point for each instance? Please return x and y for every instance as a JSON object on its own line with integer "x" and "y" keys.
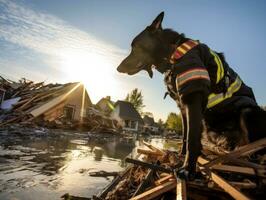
{"x": 154, "y": 47}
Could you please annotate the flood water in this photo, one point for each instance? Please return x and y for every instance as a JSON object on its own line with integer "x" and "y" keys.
{"x": 41, "y": 165}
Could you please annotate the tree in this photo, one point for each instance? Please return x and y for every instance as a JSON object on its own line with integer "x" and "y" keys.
{"x": 160, "y": 122}
{"x": 174, "y": 121}
{"x": 136, "y": 98}
{"x": 149, "y": 114}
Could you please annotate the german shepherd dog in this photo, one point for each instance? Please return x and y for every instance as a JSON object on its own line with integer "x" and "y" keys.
{"x": 152, "y": 48}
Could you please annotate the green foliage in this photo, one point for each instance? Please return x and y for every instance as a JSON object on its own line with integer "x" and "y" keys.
{"x": 136, "y": 98}
{"x": 149, "y": 114}
{"x": 174, "y": 121}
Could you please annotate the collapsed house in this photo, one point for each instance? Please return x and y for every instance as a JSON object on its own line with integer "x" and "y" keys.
{"x": 25, "y": 101}
{"x": 127, "y": 116}
{"x": 71, "y": 104}
{"x": 106, "y": 105}
{"x": 53, "y": 105}
{"x": 150, "y": 126}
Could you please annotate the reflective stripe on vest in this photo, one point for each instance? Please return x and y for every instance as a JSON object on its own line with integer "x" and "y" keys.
{"x": 215, "y": 99}
{"x": 220, "y": 68}
{"x": 189, "y": 75}
{"x": 182, "y": 50}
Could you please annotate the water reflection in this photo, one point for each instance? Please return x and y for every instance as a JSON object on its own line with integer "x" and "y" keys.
{"x": 49, "y": 166}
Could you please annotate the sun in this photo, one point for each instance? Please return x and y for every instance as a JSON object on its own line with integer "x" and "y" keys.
{"x": 95, "y": 71}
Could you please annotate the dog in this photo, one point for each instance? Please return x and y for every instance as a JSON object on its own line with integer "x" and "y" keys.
{"x": 196, "y": 78}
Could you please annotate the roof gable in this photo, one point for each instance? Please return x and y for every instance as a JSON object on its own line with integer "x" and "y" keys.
{"x": 127, "y": 111}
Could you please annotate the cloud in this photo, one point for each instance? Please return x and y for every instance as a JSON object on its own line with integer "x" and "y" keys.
{"x": 48, "y": 34}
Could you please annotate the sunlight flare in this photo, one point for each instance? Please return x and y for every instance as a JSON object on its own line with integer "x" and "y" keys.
{"x": 95, "y": 71}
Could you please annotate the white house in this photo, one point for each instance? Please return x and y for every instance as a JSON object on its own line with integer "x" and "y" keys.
{"x": 127, "y": 116}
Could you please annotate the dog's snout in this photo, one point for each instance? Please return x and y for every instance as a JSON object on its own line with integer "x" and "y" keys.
{"x": 119, "y": 69}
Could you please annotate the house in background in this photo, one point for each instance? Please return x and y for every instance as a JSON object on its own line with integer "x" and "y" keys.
{"x": 105, "y": 105}
{"x": 149, "y": 125}
{"x": 70, "y": 102}
{"x": 127, "y": 116}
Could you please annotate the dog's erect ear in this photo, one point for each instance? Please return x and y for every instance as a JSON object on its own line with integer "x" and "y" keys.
{"x": 157, "y": 23}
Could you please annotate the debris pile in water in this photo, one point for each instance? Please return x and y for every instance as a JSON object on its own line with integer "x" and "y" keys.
{"x": 239, "y": 174}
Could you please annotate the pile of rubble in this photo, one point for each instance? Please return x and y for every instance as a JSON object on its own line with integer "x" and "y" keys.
{"x": 240, "y": 174}
{"x": 29, "y": 103}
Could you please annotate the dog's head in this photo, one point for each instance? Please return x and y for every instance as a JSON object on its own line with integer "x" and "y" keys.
{"x": 145, "y": 49}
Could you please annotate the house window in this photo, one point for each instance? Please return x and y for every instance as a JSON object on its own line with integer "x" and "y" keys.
{"x": 69, "y": 112}
{"x": 133, "y": 124}
{"x": 127, "y": 123}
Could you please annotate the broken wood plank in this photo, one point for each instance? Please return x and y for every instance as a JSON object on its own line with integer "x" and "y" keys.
{"x": 25, "y": 105}
{"x": 153, "y": 147}
{"x": 246, "y": 163}
{"x": 244, "y": 150}
{"x": 228, "y": 168}
{"x": 164, "y": 179}
{"x": 156, "y": 191}
{"x": 149, "y": 165}
{"x": 230, "y": 189}
{"x": 181, "y": 189}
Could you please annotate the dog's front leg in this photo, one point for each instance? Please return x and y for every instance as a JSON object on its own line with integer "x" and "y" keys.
{"x": 184, "y": 129}
{"x": 193, "y": 104}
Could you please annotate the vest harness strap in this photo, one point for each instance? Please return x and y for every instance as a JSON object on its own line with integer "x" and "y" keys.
{"x": 192, "y": 74}
{"x": 182, "y": 50}
{"x": 175, "y": 81}
{"x": 220, "y": 68}
{"x": 215, "y": 99}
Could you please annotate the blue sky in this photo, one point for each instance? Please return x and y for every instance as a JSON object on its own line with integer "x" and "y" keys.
{"x": 60, "y": 41}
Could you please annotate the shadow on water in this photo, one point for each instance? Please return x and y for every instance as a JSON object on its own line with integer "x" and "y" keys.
{"x": 47, "y": 166}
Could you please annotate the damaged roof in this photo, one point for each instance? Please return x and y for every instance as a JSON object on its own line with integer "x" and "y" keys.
{"x": 127, "y": 111}
{"x": 33, "y": 96}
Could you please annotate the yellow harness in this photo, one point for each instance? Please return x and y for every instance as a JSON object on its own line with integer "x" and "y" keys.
{"x": 213, "y": 98}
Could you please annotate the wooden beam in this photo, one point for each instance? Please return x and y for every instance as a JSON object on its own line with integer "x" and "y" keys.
{"x": 164, "y": 179}
{"x": 244, "y": 150}
{"x": 25, "y": 105}
{"x": 228, "y": 168}
{"x": 153, "y": 148}
{"x": 156, "y": 191}
{"x": 230, "y": 189}
{"x": 181, "y": 189}
{"x": 246, "y": 163}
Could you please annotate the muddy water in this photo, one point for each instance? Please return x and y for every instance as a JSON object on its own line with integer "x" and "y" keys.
{"x": 45, "y": 165}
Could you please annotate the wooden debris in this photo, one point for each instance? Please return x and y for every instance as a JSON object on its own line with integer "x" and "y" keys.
{"x": 146, "y": 182}
{"x": 156, "y": 191}
{"x": 244, "y": 150}
{"x": 44, "y": 105}
{"x": 154, "y": 176}
{"x": 181, "y": 189}
{"x": 234, "y": 192}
